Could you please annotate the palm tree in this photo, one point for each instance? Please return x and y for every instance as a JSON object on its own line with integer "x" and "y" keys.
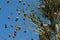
{"x": 50, "y": 10}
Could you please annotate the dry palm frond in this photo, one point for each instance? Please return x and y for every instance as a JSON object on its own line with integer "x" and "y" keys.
{"x": 45, "y": 33}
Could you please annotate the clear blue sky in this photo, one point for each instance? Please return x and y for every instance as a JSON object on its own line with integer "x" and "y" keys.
{"x": 10, "y": 10}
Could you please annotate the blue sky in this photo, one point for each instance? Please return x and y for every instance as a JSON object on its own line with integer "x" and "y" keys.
{"x": 10, "y": 10}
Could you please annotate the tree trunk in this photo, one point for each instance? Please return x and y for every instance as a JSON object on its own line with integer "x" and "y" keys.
{"x": 56, "y": 32}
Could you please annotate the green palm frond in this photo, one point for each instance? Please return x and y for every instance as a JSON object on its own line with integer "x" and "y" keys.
{"x": 51, "y": 6}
